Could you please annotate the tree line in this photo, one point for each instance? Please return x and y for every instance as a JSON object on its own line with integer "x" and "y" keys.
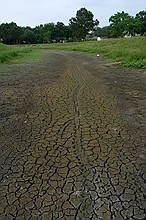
{"x": 82, "y": 26}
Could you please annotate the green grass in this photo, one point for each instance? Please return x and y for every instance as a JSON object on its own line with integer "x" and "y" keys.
{"x": 17, "y": 54}
{"x": 131, "y": 52}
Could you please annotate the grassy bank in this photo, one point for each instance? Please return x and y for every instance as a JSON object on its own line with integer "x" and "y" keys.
{"x": 17, "y": 53}
{"x": 131, "y": 52}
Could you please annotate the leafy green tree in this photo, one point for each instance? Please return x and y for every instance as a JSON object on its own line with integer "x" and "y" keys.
{"x": 10, "y": 33}
{"x": 131, "y": 26}
{"x": 44, "y": 33}
{"x": 61, "y": 32}
{"x": 119, "y": 24}
{"x": 28, "y": 37}
{"x": 141, "y": 23}
{"x": 38, "y": 30}
{"x": 67, "y": 33}
{"x": 48, "y": 30}
{"x": 83, "y": 23}
{"x": 103, "y": 32}
{"x": 46, "y": 36}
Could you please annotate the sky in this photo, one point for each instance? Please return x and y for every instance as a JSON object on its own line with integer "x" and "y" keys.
{"x": 35, "y": 12}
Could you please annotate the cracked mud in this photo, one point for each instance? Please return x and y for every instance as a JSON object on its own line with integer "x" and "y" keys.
{"x": 72, "y": 142}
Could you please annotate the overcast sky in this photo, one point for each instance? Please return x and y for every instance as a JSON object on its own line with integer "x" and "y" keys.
{"x": 35, "y": 12}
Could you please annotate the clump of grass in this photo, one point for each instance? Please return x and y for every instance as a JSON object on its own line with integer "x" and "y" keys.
{"x": 8, "y": 53}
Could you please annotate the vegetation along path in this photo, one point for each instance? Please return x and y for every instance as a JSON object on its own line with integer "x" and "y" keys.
{"x": 72, "y": 140}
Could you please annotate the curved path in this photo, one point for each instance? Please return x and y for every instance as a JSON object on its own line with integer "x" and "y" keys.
{"x": 72, "y": 140}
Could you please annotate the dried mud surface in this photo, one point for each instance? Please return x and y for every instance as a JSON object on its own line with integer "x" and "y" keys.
{"x": 72, "y": 142}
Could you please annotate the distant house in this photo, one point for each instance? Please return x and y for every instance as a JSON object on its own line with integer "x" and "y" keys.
{"x": 95, "y": 38}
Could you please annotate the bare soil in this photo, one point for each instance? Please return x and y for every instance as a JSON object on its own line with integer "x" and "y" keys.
{"x": 73, "y": 139}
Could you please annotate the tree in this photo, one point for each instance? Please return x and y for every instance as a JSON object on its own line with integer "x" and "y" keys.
{"x": 28, "y": 37}
{"x": 141, "y": 22}
{"x": 10, "y": 33}
{"x": 67, "y": 33}
{"x": 59, "y": 31}
{"x": 83, "y": 23}
{"x": 48, "y": 32}
{"x": 131, "y": 26}
{"x": 119, "y": 24}
{"x": 44, "y": 33}
{"x": 103, "y": 32}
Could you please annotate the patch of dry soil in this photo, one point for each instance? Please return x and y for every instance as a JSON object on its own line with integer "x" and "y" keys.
{"x": 72, "y": 142}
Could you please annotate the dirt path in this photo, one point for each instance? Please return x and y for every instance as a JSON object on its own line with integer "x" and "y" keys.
{"x": 72, "y": 142}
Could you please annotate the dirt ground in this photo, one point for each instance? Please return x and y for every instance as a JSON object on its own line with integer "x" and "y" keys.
{"x": 73, "y": 140}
